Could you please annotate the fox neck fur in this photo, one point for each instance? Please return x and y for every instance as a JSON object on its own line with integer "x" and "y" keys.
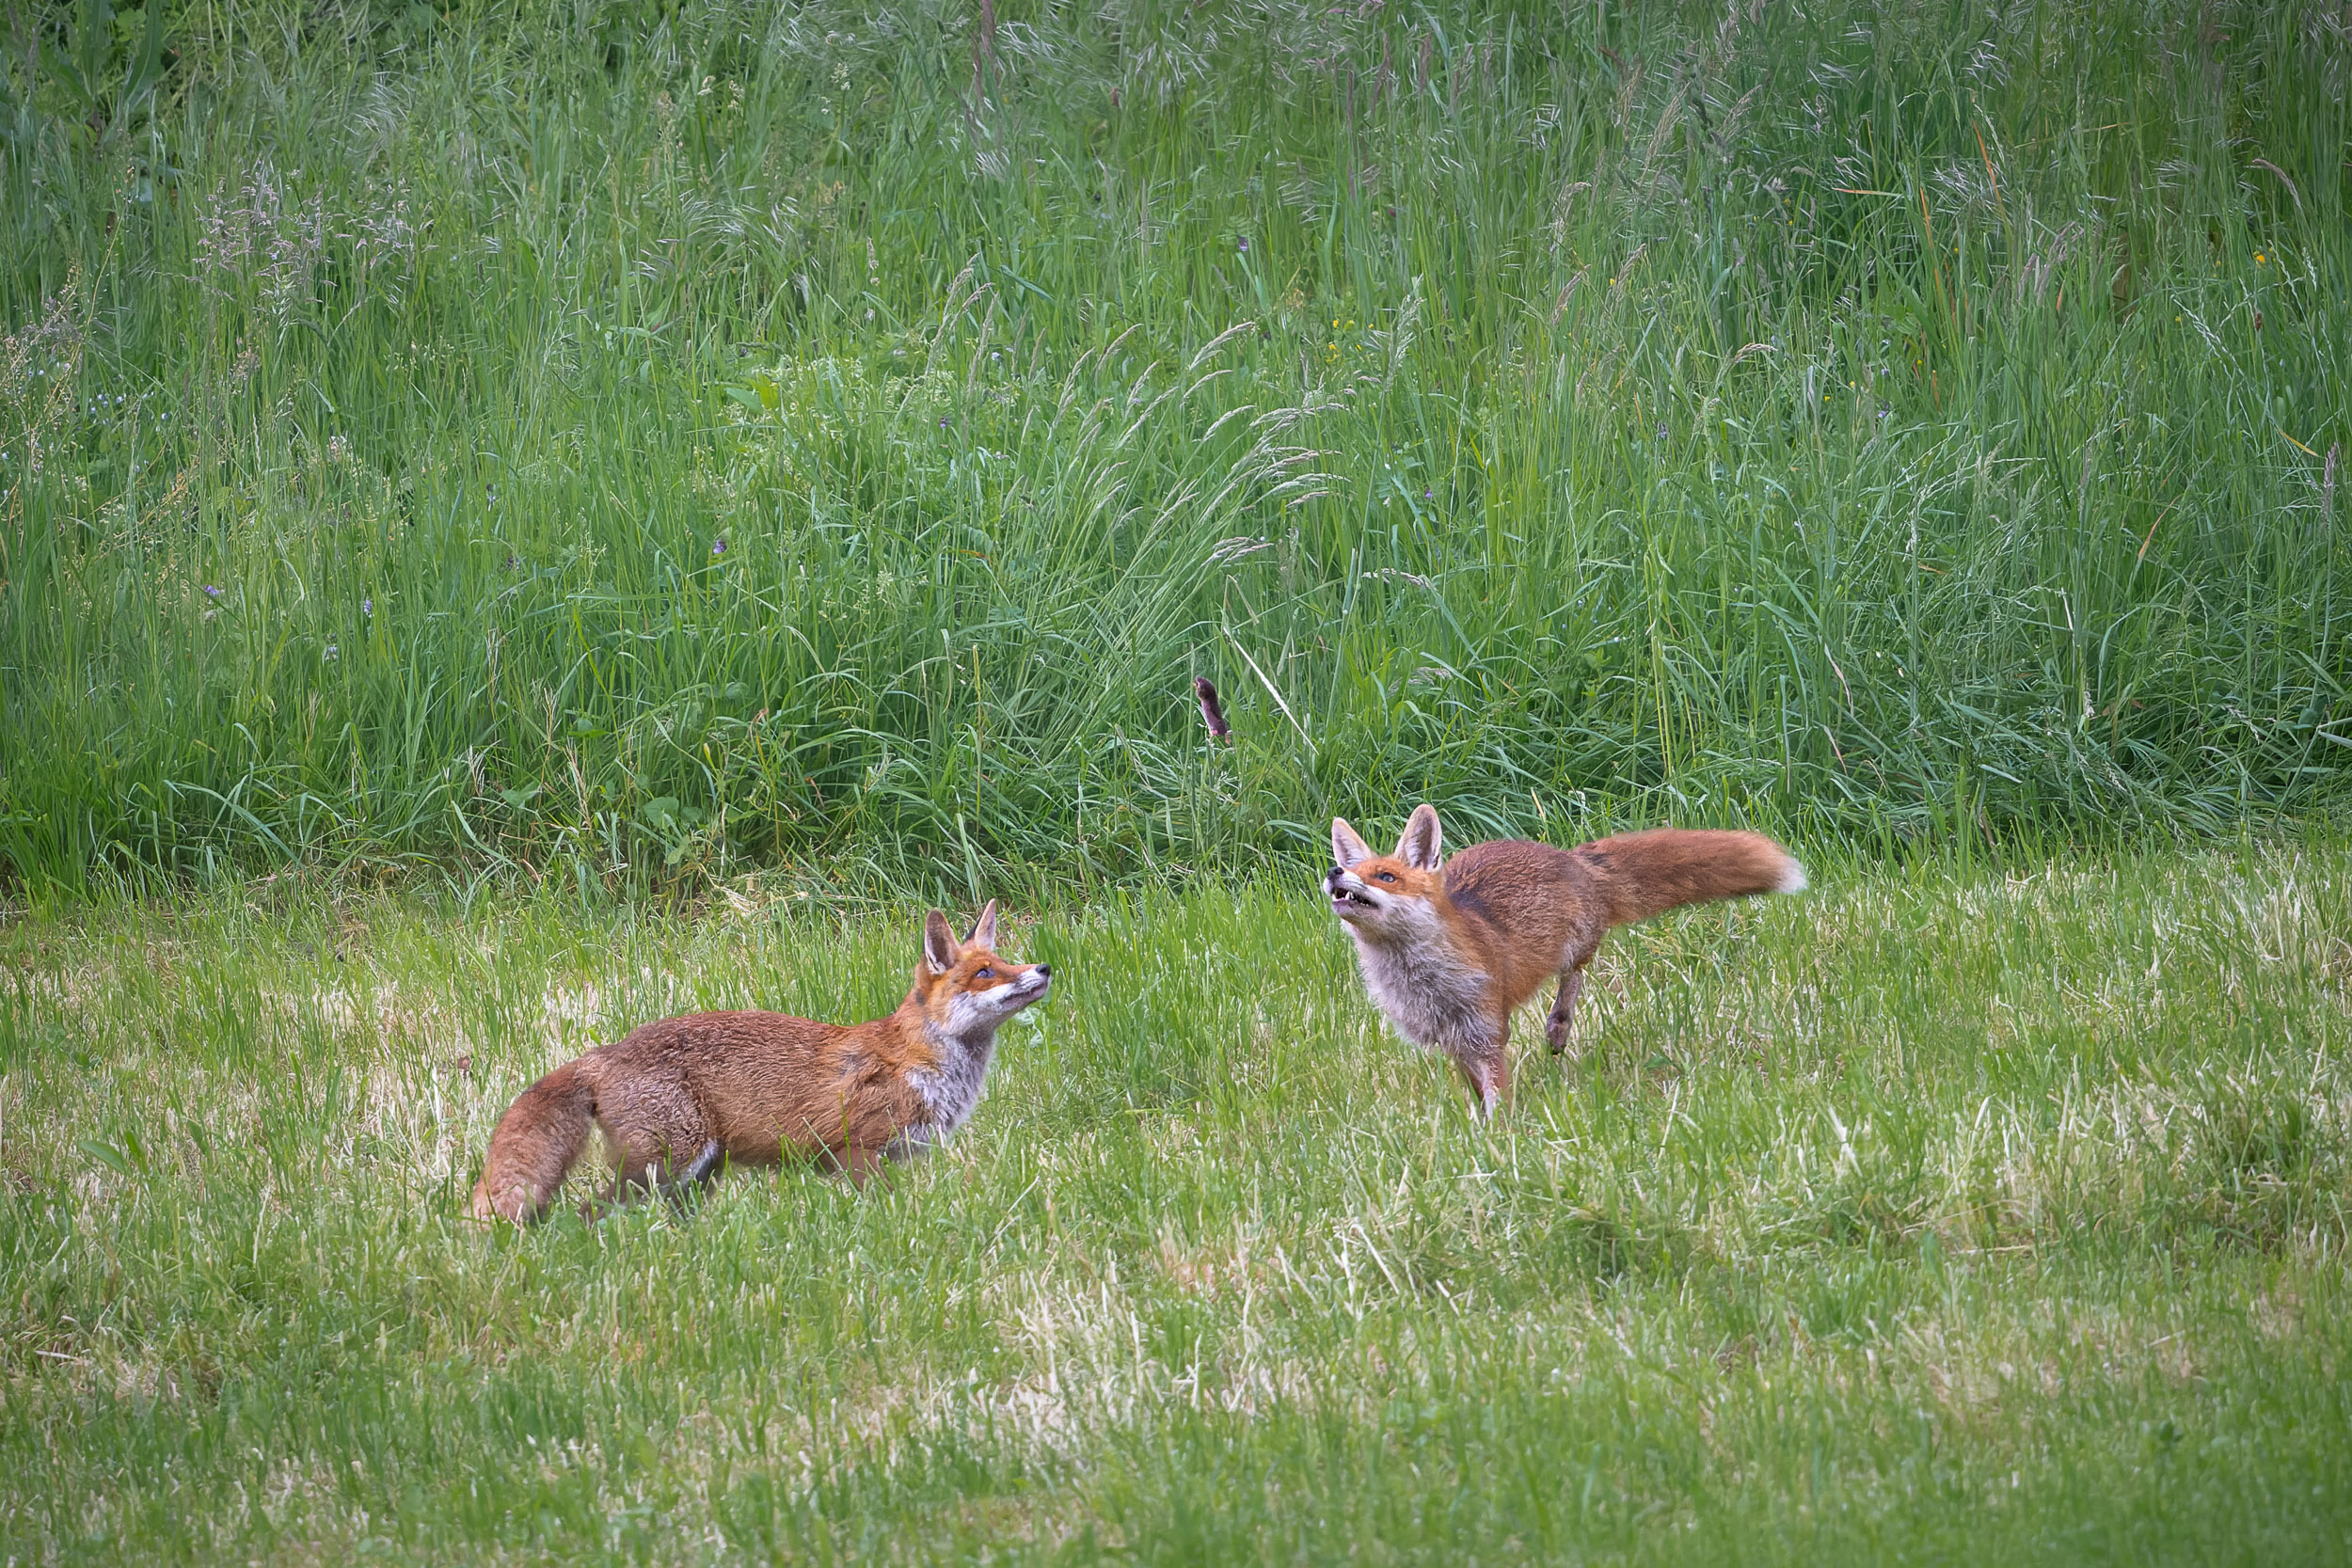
{"x": 1431, "y": 990}
{"x": 962, "y": 1049}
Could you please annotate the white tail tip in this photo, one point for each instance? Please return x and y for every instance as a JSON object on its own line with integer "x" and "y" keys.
{"x": 1791, "y": 877}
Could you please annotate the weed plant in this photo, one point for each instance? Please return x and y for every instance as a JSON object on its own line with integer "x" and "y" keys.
{"x": 617, "y": 444}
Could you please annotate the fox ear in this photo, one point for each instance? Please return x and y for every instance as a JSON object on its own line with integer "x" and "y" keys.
{"x": 984, "y": 929}
{"x": 1422, "y": 840}
{"x": 1346, "y": 848}
{"x": 939, "y": 942}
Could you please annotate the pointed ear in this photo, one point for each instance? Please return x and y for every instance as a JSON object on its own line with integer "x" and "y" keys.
{"x": 984, "y": 929}
{"x": 1423, "y": 840}
{"x": 1346, "y": 848}
{"x": 939, "y": 942}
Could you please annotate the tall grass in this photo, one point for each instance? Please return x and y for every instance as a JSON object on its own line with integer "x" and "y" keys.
{"x": 606, "y": 443}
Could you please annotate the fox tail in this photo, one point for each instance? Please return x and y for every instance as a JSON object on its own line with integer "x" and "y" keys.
{"x": 534, "y": 1145}
{"x": 1649, "y": 872}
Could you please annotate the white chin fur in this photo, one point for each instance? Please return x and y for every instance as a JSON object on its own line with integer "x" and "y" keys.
{"x": 968, "y": 1013}
{"x": 1791, "y": 877}
{"x": 986, "y": 1010}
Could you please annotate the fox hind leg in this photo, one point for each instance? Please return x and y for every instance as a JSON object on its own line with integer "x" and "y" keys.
{"x": 691, "y": 1176}
{"x": 667, "y": 1163}
{"x": 705, "y": 1168}
{"x": 666, "y": 1160}
{"x": 1564, "y": 1009}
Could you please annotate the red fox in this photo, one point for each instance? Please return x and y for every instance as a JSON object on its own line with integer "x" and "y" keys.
{"x": 1451, "y": 949}
{"x": 675, "y": 1096}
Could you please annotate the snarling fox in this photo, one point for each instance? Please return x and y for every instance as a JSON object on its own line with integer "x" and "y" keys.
{"x": 1450, "y": 949}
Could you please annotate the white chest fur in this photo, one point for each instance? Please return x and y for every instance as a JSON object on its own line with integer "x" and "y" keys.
{"x": 950, "y": 1090}
{"x": 1433, "y": 996}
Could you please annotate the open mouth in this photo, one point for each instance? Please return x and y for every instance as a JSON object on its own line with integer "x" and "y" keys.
{"x": 1346, "y": 902}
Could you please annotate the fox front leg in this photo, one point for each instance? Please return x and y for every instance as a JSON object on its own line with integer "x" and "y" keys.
{"x": 1489, "y": 1077}
{"x": 1564, "y": 1009}
{"x": 858, "y": 1162}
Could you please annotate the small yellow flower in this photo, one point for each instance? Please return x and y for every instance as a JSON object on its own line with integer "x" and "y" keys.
{"x": 2257, "y": 258}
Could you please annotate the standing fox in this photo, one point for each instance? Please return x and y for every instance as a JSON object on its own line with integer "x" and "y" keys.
{"x": 674, "y": 1097}
{"x": 1451, "y": 950}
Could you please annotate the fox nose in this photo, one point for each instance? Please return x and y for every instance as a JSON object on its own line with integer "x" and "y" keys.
{"x": 1045, "y": 972}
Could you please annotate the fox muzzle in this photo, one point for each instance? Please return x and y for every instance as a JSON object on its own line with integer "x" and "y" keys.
{"x": 1348, "y": 895}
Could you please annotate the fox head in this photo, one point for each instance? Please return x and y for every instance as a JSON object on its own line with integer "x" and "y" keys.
{"x": 1388, "y": 894}
{"x": 964, "y": 987}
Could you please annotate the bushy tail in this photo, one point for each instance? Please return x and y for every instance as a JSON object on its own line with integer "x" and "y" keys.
{"x": 1649, "y": 873}
{"x": 534, "y": 1145}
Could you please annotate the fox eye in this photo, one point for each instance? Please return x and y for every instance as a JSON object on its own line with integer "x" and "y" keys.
{"x": 982, "y": 973}
{"x": 1384, "y": 876}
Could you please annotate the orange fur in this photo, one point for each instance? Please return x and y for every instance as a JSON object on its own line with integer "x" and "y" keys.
{"x": 1450, "y": 949}
{"x": 755, "y": 1087}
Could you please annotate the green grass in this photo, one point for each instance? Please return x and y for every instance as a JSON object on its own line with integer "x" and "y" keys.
{"x": 793, "y": 460}
{"x": 1882, "y": 421}
{"x": 1941, "y": 1214}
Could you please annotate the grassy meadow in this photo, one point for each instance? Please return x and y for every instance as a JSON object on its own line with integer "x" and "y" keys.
{"x": 520, "y": 518}
{"x": 1942, "y": 1214}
